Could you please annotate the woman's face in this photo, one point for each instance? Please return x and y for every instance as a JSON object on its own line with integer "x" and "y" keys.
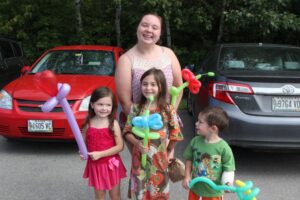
{"x": 149, "y": 29}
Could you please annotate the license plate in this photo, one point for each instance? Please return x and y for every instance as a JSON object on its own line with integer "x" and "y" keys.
{"x": 40, "y": 126}
{"x": 290, "y": 104}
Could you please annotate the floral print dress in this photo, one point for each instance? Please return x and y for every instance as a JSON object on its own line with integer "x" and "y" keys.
{"x": 152, "y": 182}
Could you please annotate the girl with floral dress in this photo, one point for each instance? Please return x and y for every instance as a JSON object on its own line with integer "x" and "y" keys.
{"x": 104, "y": 169}
{"x": 152, "y": 181}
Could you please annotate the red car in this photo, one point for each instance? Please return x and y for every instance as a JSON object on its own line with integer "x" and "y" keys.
{"x": 83, "y": 67}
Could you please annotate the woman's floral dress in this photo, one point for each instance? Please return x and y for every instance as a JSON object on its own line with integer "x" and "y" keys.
{"x": 152, "y": 182}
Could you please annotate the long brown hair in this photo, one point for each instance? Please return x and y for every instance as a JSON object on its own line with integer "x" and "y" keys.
{"x": 97, "y": 94}
{"x": 162, "y": 88}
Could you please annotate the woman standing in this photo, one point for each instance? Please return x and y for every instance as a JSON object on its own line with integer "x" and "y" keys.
{"x": 145, "y": 54}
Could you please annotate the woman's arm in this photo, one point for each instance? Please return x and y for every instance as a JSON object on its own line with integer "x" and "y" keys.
{"x": 176, "y": 73}
{"x": 123, "y": 83}
{"x": 95, "y": 155}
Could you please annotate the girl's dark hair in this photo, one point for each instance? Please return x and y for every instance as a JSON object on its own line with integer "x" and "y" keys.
{"x": 97, "y": 94}
{"x": 215, "y": 116}
{"x": 162, "y": 87}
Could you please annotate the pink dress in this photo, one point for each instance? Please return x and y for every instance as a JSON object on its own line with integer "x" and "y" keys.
{"x": 104, "y": 173}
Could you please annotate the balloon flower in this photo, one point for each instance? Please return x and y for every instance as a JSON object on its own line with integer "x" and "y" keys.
{"x": 142, "y": 125}
{"x": 243, "y": 190}
{"x": 191, "y": 81}
{"x": 46, "y": 81}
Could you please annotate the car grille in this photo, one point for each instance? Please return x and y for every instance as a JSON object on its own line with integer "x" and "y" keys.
{"x": 56, "y": 132}
{"x": 4, "y": 129}
{"x": 35, "y": 106}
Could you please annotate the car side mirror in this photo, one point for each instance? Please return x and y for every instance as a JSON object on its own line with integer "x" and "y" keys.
{"x": 25, "y": 70}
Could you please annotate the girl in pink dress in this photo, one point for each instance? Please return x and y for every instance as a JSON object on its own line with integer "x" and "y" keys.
{"x": 104, "y": 168}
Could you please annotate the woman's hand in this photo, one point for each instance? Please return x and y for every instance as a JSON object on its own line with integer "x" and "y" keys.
{"x": 95, "y": 155}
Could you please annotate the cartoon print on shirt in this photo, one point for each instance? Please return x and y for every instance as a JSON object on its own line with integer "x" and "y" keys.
{"x": 216, "y": 162}
{"x": 206, "y": 165}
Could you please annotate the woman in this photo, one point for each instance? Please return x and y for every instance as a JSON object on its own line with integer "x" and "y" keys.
{"x": 145, "y": 54}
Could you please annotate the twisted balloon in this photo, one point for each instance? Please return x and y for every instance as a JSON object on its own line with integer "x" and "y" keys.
{"x": 59, "y": 94}
{"x": 191, "y": 81}
{"x": 142, "y": 125}
{"x": 243, "y": 190}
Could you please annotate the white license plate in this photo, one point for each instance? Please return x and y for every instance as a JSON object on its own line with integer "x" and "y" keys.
{"x": 290, "y": 104}
{"x": 40, "y": 126}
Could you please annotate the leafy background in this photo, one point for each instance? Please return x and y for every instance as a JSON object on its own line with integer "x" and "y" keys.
{"x": 190, "y": 27}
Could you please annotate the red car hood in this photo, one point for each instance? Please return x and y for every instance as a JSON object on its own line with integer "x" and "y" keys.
{"x": 81, "y": 86}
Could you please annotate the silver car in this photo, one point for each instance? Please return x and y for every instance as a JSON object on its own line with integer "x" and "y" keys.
{"x": 258, "y": 85}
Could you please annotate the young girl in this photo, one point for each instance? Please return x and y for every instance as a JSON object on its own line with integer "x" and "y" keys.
{"x": 102, "y": 134}
{"x": 152, "y": 182}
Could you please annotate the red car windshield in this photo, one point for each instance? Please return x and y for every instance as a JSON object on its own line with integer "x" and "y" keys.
{"x": 77, "y": 62}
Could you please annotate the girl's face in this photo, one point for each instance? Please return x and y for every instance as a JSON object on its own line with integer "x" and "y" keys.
{"x": 202, "y": 128}
{"x": 102, "y": 107}
{"x": 149, "y": 86}
{"x": 149, "y": 29}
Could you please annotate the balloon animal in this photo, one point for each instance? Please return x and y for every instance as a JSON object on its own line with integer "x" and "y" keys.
{"x": 46, "y": 81}
{"x": 142, "y": 125}
{"x": 243, "y": 190}
{"x": 192, "y": 83}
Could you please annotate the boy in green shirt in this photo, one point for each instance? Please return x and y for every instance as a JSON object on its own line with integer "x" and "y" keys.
{"x": 209, "y": 156}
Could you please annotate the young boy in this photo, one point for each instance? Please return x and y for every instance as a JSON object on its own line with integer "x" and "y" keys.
{"x": 209, "y": 156}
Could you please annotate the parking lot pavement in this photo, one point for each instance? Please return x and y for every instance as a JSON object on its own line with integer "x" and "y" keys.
{"x": 53, "y": 171}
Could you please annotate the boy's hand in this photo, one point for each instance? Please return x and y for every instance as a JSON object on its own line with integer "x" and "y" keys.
{"x": 185, "y": 182}
{"x": 95, "y": 155}
{"x": 228, "y": 184}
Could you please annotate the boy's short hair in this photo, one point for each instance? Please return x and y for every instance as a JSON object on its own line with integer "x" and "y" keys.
{"x": 215, "y": 116}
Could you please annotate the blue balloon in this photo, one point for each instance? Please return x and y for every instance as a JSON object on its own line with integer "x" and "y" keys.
{"x": 153, "y": 121}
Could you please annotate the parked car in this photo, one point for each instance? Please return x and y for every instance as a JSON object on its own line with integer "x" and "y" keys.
{"x": 84, "y": 68}
{"x": 258, "y": 85}
{"x": 12, "y": 60}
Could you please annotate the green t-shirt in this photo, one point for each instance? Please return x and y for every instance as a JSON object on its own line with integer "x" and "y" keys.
{"x": 210, "y": 161}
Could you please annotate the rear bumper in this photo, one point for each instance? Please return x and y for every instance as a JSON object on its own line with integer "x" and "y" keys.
{"x": 261, "y": 131}
{"x": 15, "y": 125}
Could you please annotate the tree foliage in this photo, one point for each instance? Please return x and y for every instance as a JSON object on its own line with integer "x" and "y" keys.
{"x": 192, "y": 26}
